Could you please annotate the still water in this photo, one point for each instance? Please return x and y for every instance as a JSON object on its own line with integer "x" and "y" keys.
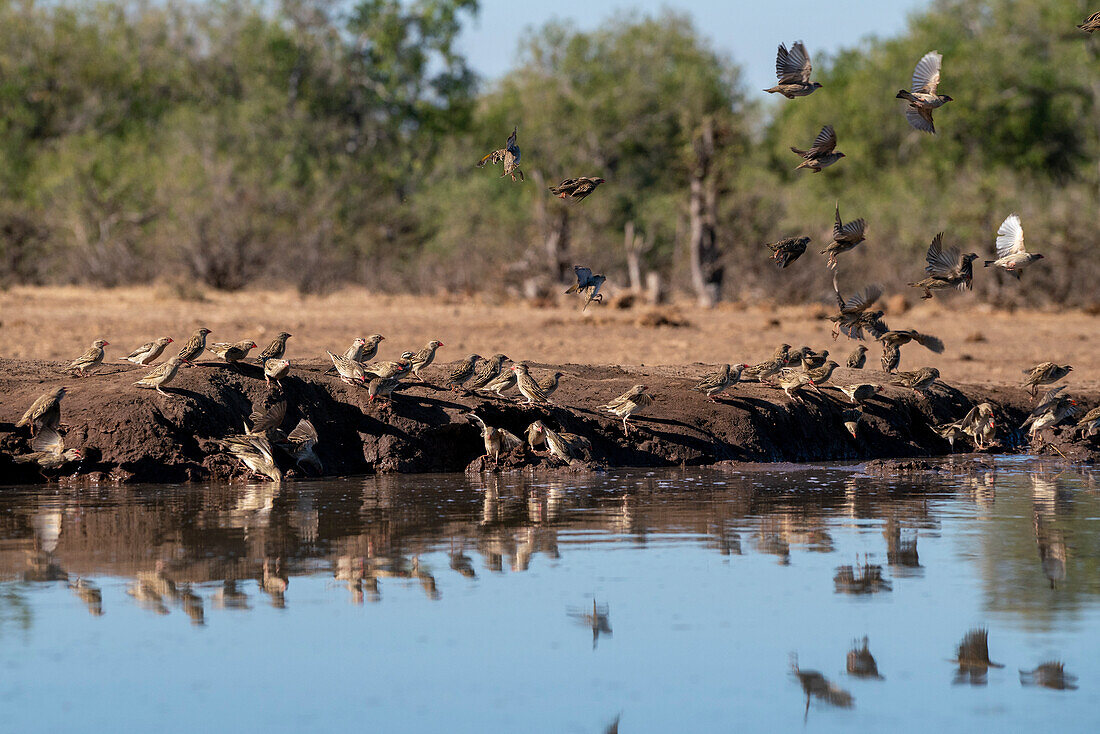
{"x": 675, "y": 601}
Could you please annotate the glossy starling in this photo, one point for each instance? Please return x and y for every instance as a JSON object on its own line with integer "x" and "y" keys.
{"x": 44, "y": 413}
{"x": 793, "y": 69}
{"x": 923, "y": 98}
{"x": 161, "y": 375}
{"x": 788, "y": 249}
{"x": 858, "y": 358}
{"x": 845, "y": 237}
{"x": 630, "y": 402}
{"x": 917, "y": 380}
{"x": 91, "y": 359}
{"x": 148, "y": 353}
{"x": 276, "y": 349}
{"x": 1045, "y": 373}
{"x": 1011, "y": 254}
{"x": 822, "y": 154}
{"x": 194, "y": 347}
{"x": 949, "y": 269}
{"x": 576, "y": 188}
{"x": 424, "y": 357}
{"x": 48, "y": 451}
{"x": 509, "y": 155}
{"x": 587, "y": 285}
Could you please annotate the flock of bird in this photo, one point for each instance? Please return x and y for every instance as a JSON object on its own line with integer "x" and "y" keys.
{"x": 792, "y": 371}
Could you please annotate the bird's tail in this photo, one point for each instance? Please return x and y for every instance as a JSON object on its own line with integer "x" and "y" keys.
{"x": 989, "y": 262}
{"x": 796, "y": 150}
{"x": 573, "y": 288}
{"x": 902, "y": 94}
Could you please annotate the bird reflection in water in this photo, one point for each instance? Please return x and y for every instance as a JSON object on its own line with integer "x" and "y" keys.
{"x": 598, "y": 620}
{"x": 815, "y": 685}
{"x": 860, "y": 579}
{"x": 90, "y": 594}
{"x": 861, "y": 663}
{"x": 1051, "y": 675}
{"x": 901, "y": 549}
{"x": 274, "y": 582}
{"x": 1052, "y": 550}
{"x": 192, "y": 606}
{"x": 231, "y": 597}
{"x": 972, "y": 656}
{"x": 613, "y": 727}
{"x": 461, "y": 562}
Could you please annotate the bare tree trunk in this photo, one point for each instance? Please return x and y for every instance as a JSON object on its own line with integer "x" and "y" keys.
{"x": 706, "y": 275}
{"x": 633, "y": 256}
{"x": 554, "y": 225}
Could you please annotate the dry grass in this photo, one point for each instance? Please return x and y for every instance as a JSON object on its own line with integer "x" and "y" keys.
{"x": 60, "y": 322}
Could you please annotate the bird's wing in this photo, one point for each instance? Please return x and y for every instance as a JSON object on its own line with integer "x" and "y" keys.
{"x": 140, "y": 350}
{"x": 158, "y": 371}
{"x": 920, "y": 118}
{"x": 48, "y": 440}
{"x": 941, "y": 264}
{"x": 1010, "y": 237}
{"x": 824, "y": 142}
{"x": 862, "y": 301}
{"x": 928, "y": 342}
{"x": 304, "y": 434}
{"x": 852, "y": 230}
{"x": 792, "y": 66}
{"x": 269, "y": 419}
{"x": 926, "y": 75}
{"x": 509, "y": 440}
{"x": 495, "y": 157}
{"x": 584, "y": 275}
{"x": 838, "y": 225}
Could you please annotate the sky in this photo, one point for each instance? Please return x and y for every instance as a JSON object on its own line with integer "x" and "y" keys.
{"x": 747, "y": 30}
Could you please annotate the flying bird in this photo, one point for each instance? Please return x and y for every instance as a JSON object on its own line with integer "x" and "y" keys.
{"x": 1044, "y": 373}
{"x": 44, "y": 413}
{"x": 793, "y": 69}
{"x": 48, "y": 451}
{"x": 509, "y": 154}
{"x": 855, "y": 314}
{"x": 788, "y": 249}
{"x": 845, "y": 237}
{"x": 587, "y": 284}
{"x": 1011, "y": 254}
{"x": 1092, "y": 23}
{"x": 923, "y": 98}
{"x": 822, "y": 154}
{"x": 950, "y": 269}
{"x": 576, "y": 189}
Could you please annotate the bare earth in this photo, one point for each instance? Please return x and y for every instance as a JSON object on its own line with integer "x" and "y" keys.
{"x": 984, "y": 346}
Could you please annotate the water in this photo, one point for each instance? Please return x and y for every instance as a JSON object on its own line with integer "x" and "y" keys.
{"x": 673, "y": 599}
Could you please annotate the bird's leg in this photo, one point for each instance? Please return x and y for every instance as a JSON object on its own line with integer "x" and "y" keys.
{"x": 161, "y": 391}
{"x": 626, "y": 427}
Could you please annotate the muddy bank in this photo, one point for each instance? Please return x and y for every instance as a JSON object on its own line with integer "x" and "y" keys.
{"x": 130, "y": 434}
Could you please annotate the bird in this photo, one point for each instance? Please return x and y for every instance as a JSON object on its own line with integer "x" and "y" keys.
{"x": 368, "y": 349}
{"x": 509, "y": 154}
{"x": 587, "y": 285}
{"x": 91, "y": 359}
{"x": 852, "y": 419}
{"x": 630, "y": 402}
{"x": 299, "y": 445}
{"x": 1052, "y": 410}
{"x": 549, "y": 384}
{"x": 44, "y": 413}
{"x": 505, "y": 381}
{"x": 855, "y": 314}
{"x": 821, "y": 375}
{"x": 980, "y": 424}
{"x": 1044, "y": 373}
{"x": 462, "y": 373}
{"x": 497, "y": 440}
{"x": 765, "y": 370}
{"x": 821, "y": 154}
{"x": 148, "y": 353}
{"x": 267, "y": 421}
{"x": 950, "y": 432}
{"x": 923, "y": 98}
{"x": 161, "y": 375}
{"x": 276, "y": 349}
{"x": 424, "y": 357}
{"x": 1090, "y": 422}
{"x": 787, "y": 250}
{"x": 576, "y": 188}
{"x": 917, "y": 380}
{"x": 891, "y": 358}
{"x": 48, "y": 451}
{"x": 858, "y": 358}
{"x": 901, "y": 337}
{"x": 1011, "y": 254}
{"x": 949, "y": 269}
{"x": 275, "y": 369}
{"x": 861, "y": 663}
{"x": 793, "y": 69}
{"x": 527, "y": 386}
{"x": 488, "y": 371}
{"x": 355, "y": 352}
{"x": 392, "y": 368}
{"x": 349, "y": 370}
{"x": 972, "y": 655}
{"x": 1091, "y": 23}
{"x": 382, "y": 388}
{"x": 860, "y": 393}
{"x": 845, "y": 237}
{"x": 254, "y": 451}
{"x": 717, "y": 382}
{"x": 792, "y": 382}
{"x": 194, "y": 347}
{"x": 1051, "y": 674}
{"x": 565, "y": 447}
{"x": 233, "y": 353}
{"x": 811, "y": 359}
{"x": 816, "y": 685}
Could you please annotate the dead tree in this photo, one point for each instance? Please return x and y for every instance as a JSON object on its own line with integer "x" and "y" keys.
{"x": 706, "y": 273}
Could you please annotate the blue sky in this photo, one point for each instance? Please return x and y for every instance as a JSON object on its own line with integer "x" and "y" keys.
{"x": 747, "y": 30}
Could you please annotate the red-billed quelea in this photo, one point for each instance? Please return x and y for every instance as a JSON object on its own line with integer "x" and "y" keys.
{"x": 861, "y": 393}
{"x": 630, "y": 402}
{"x": 576, "y": 189}
{"x": 821, "y": 375}
{"x": 505, "y": 381}
{"x": 822, "y": 154}
{"x": 549, "y": 384}
{"x": 161, "y": 375}
{"x": 497, "y": 440}
{"x": 855, "y": 314}
{"x": 509, "y": 155}
{"x": 718, "y": 382}
{"x": 900, "y": 337}
{"x": 763, "y": 371}
{"x": 919, "y": 381}
{"x": 923, "y": 98}
{"x": 275, "y": 369}
{"x": 487, "y": 372}
{"x": 44, "y": 413}
{"x": 194, "y": 347}
{"x": 845, "y": 237}
{"x": 381, "y": 388}
{"x": 299, "y": 445}
{"x": 149, "y": 352}
{"x": 233, "y": 353}
{"x": 793, "y": 70}
{"x": 91, "y": 359}
{"x": 980, "y": 425}
{"x": 787, "y": 250}
{"x": 276, "y": 349}
{"x": 349, "y": 370}
{"x": 1052, "y": 410}
{"x": 950, "y": 269}
{"x": 254, "y": 451}
{"x": 793, "y": 381}
{"x": 858, "y": 358}
{"x": 891, "y": 358}
{"x": 1044, "y": 373}
{"x": 1011, "y": 255}
{"x": 424, "y": 357}
{"x": 48, "y": 451}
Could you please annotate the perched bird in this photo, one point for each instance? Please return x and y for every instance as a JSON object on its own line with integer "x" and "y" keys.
{"x": 821, "y": 154}
{"x": 1044, "y": 373}
{"x": 91, "y": 359}
{"x": 276, "y": 349}
{"x": 788, "y": 249}
{"x": 254, "y": 451}
{"x": 299, "y": 445}
{"x": 505, "y": 381}
{"x": 391, "y": 369}
{"x": 717, "y": 382}
{"x": 275, "y": 369}
{"x": 1052, "y": 674}
{"x": 497, "y": 440}
{"x": 382, "y": 388}
{"x": 368, "y": 349}
{"x": 565, "y": 447}
{"x": 917, "y": 380}
{"x": 549, "y": 384}
{"x": 765, "y": 370}
{"x": 858, "y": 358}
{"x": 48, "y": 451}
{"x": 576, "y": 188}
{"x": 462, "y": 373}
{"x": 44, "y": 413}
{"x": 149, "y": 352}
{"x": 845, "y": 237}
{"x": 509, "y": 154}
{"x": 891, "y": 358}
{"x": 821, "y": 375}
{"x": 861, "y": 393}
{"x": 233, "y": 353}
{"x": 487, "y": 372}
{"x": 527, "y": 386}
{"x": 793, "y": 69}
{"x": 1052, "y": 410}
{"x": 354, "y": 353}
{"x": 350, "y": 371}
{"x": 923, "y": 98}
{"x": 587, "y": 285}
{"x": 194, "y": 347}
{"x": 161, "y": 375}
{"x": 792, "y": 382}
{"x": 980, "y": 425}
{"x": 1011, "y": 254}
{"x": 630, "y": 402}
{"x": 901, "y": 337}
{"x": 949, "y": 269}
{"x": 811, "y": 359}
{"x": 855, "y": 314}
{"x": 1091, "y": 23}
{"x": 424, "y": 357}
{"x": 861, "y": 663}
{"x": 1090, "y": 422}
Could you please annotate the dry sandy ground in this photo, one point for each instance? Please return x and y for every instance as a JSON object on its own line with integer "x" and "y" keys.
{"x": 983, "y": 346}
